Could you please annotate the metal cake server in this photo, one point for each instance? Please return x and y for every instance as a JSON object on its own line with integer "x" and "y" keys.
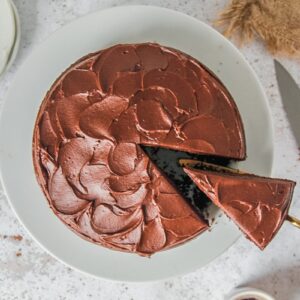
{"x": 290, "y": 95}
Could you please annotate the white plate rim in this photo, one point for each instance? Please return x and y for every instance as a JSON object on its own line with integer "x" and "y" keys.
{"x": 179, "y": 14}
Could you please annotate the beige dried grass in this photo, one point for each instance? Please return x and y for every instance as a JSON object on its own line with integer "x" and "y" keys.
{"x": 275, "y": 22}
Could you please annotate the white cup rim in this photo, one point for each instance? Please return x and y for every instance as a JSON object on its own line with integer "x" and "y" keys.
{"x": 249, "y": 292}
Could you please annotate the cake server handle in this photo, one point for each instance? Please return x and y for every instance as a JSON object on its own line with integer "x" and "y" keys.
{"x": 294, "y": 221}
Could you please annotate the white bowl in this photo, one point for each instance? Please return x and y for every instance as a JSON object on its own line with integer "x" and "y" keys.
{"x": 248, "y": 293}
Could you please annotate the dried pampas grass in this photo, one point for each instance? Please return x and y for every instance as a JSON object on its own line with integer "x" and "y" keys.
{"x": 276, "y": 22}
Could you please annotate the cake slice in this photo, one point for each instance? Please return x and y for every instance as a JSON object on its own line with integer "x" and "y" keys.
{"x": 258, "y": 205}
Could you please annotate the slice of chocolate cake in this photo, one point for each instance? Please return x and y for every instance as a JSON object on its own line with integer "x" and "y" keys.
{"x": 258, "y": 205}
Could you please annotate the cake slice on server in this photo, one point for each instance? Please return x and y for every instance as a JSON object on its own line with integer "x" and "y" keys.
{"x": 258, "y": 205}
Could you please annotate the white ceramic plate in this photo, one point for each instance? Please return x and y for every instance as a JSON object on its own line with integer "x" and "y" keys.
{"x": 127, "y": 24}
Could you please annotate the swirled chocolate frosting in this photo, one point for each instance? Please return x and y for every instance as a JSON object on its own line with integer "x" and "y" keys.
{"x": 87, "y": 139}
{"x": 258, "y": 205}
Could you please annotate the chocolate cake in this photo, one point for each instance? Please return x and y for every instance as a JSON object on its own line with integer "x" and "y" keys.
{"x": 258, "y": 205}
{"x": 89, "y": 131}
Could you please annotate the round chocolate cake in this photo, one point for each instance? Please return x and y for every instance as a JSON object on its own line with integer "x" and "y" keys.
{"x": 89, "y": 132}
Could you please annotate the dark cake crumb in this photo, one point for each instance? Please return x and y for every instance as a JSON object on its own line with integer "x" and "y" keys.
{"x": 167, "y": 161}
{"x": 18, "y": 254}
{"x": 17, "y": 237}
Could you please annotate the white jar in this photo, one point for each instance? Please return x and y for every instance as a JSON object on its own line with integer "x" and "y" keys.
{"x": 247, "y": 294}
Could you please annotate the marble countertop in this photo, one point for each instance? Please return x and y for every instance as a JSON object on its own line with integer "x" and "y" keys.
{"x": 27, "y": 272}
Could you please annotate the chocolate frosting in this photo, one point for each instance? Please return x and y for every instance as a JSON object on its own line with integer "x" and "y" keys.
{"x": 86, "y": 150}
{"x": 258, "y": 205}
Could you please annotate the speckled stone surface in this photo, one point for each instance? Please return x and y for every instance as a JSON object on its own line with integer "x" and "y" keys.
{"x": 27, "y": 272}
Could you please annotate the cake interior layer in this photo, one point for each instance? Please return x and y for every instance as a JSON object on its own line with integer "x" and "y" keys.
{"x": 218, "y": 166}
{"x": 167, "y": 161}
